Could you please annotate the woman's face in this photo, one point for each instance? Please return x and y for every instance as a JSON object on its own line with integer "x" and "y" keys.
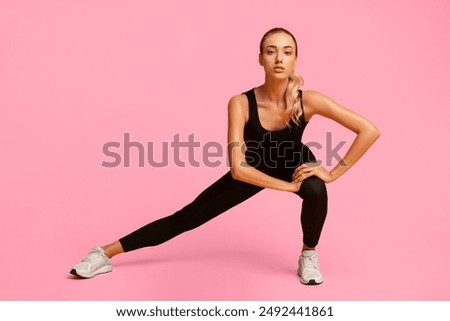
{"x": 278, "y": 56}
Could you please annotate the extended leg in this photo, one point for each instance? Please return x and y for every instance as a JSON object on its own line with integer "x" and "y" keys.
{"x": 216, "y": 199}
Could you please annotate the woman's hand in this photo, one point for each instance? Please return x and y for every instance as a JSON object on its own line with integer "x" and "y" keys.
{"x": 311, "y": 169}
{"x": 295, "y": 186}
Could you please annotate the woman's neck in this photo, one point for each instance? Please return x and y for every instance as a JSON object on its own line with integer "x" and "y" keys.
{"x": 274, "y": 90}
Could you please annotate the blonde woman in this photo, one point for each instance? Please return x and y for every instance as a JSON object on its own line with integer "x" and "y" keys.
{"x": 265, "y": 127}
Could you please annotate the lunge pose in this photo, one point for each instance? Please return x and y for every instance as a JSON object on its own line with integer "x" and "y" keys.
{"x": 265, "y": 127}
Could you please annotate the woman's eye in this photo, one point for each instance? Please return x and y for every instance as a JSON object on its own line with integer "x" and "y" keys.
{"x": 288, "y": 53}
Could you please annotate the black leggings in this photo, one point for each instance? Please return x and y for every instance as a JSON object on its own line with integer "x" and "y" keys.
{"x": 223, "y": 195}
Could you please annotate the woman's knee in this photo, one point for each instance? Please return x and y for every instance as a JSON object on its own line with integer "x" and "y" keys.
{"x": 313, "y": 188}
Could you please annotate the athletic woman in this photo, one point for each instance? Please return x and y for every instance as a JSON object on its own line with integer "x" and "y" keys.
{"x": 265, "y": 127}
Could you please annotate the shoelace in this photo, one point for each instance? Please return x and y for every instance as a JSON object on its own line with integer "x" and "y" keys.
{"x": 310, "y": 263}
{"x": 90, "y": 257}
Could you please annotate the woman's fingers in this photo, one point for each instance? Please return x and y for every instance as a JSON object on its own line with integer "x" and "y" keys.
{"x": 305, "y": 170}
{"x": 303, "y": 174}
{"x": 299, "y": 170}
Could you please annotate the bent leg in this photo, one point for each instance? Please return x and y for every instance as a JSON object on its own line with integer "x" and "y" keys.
{"x": 222, "y": 195}
{"x": 314, "y": 209}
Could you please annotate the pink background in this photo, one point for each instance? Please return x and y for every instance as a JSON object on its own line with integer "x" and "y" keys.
{"x": 76, "y": 74}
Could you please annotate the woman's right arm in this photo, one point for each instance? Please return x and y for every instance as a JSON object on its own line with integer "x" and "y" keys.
{"x": 240, "y": 170}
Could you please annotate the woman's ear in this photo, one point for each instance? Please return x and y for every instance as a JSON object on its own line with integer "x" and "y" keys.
{"x": 260, "y": 60}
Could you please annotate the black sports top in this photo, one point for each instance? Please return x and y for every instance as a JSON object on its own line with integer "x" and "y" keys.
{"x": 273, "y": 150}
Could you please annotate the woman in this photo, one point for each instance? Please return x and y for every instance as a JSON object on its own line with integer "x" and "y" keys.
{"x": 265, "y": 127}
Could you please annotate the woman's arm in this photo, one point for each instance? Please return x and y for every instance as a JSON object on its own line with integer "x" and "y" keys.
{"x": 367, "y": 134}
{"x": 240, "y": 170}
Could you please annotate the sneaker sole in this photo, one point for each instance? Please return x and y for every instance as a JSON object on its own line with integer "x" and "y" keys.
{"x": 310, "y": 282}
{"x": 102, "y": 270}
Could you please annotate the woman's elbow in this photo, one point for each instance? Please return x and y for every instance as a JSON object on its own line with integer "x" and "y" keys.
{"x": 375, "y": 133}
{"x": 236, "y": 173}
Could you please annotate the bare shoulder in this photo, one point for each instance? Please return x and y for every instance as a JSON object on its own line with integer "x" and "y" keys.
{"x": 316, "y": 102}
{"x": 313, "y": 102}
{"x": 239, "y": 101}
{"x": 238, "y": 105}
{"x": 313, "y": 97}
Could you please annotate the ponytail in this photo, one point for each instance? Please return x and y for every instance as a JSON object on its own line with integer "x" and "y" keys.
{"x": 293, "y": 103}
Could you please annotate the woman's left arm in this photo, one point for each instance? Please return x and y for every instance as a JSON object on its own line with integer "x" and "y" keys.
{"x": 317, "y": 103}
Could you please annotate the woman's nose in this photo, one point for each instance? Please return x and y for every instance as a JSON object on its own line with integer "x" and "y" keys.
{"x": 278, "y": 58}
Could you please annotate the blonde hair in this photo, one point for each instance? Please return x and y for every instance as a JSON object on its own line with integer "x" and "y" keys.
{"x": 293, "y": 103}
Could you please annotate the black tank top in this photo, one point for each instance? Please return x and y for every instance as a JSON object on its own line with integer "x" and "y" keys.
{"x": 272, "y": 151}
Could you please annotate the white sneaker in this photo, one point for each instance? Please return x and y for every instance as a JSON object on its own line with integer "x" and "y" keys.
{"x": 308, "y": 268}
{"x": 94, "y": 263}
